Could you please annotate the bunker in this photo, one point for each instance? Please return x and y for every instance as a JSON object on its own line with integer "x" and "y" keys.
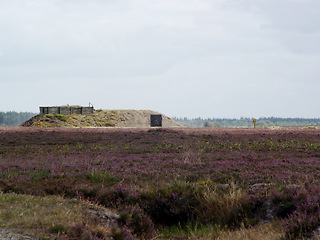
{"x": 66, "y": 110}
{"x": 156, "y": 120}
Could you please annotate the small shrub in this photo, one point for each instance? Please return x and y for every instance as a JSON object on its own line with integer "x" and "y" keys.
{"x": 139, "y": 222}
{"x": 76, "y": 231}
{"x": 7, "y": 174}
{"x": 123, "y": 233}
{"x": 83, "y": 232}
{"x": 39, "y": 174}
{"x": 118, "y": 196}
{"x": 101, "y": 177}
{"x": 286, "y": 201}
{"x": 231, "y": 208}
{"x": 171, "y": 205}
{"x": 88, "y": 192}
{"x": 306, "y": 219}
{"x": 61, "y": 117}
{"x": 57, "y": 229}
{"x": 259, "y": 203}
{"x": 300, "y": 225}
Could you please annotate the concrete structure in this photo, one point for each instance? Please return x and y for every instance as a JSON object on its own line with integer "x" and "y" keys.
{"x": 66, "y": 110}
{"x": 156, "y": 120}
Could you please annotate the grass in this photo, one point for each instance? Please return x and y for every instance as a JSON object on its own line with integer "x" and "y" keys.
{"x": 48, "y": 217}
{"x": 221, "y": 207}
{"x": 266, "y": 231}
{"x": 61, "y": 117}
{"x": 101, "y": 177}
{"x": 40, "y": 174}
{"x": 100, "y": 118}
{"x": 191, "y": 231}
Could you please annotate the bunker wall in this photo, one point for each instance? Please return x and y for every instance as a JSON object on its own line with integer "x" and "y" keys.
{"x": 66, "y": 110}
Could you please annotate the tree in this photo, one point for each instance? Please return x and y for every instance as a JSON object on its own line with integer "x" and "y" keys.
{"x": 206, "y": 124}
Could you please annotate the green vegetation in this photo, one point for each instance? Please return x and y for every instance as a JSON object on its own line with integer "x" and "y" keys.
{"x": 101, "y": 177}
{"x": 61, "y": 117}
{"x": 100, "y": 118}
{"x": 14, "y": 118}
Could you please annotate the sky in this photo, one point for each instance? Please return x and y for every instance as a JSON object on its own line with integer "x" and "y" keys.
{"x": 182, "y": 58}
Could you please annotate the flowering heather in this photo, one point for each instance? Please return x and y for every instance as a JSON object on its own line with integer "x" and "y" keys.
{"x": 173, "y": 175}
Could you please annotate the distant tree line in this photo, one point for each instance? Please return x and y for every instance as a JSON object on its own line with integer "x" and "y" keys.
{"x": 14, "y": 118}
{"x": 17, "y": 118}
{"x": 248, "y": 122}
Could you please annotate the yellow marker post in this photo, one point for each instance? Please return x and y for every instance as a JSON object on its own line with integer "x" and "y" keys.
{"x": 38, "y": 124}
{"x": 254, "y": 122}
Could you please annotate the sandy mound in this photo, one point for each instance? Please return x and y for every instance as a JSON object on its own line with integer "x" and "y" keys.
{"x": 100, "y": 118}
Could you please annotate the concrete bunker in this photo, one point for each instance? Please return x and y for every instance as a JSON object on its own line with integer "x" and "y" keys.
{"x": 156, "y": 120}
{"x": 66, "y": 110}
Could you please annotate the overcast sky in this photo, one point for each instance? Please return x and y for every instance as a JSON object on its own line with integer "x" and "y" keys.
{"x": 183, "y": 58}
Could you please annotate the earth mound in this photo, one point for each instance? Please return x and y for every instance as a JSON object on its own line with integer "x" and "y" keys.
{"x": 100, "y": 118}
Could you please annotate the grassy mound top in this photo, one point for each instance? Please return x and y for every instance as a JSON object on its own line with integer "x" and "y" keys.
{"x": 99, "y": 118}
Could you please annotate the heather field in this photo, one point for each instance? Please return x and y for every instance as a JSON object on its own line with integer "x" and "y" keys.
{"x": 161, "y": 183}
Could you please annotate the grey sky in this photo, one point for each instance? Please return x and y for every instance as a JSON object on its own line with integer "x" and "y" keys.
{"x": 185, "y": 58}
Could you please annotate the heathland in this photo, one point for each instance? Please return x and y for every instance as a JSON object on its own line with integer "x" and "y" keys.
{"x": 160, "y": 183}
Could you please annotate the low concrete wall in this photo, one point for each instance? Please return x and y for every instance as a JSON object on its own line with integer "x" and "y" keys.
{"x": 76, "y": 110}
{"x": 66, "y": 110}
{"x": 53, "y": 110}
{"x": 87, "y": 110}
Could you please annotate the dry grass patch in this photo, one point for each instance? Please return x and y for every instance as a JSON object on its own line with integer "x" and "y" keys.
{"x": 49, "y": 217}
{"x": 221, "y": 207}
{"x": 268, "y": 231}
